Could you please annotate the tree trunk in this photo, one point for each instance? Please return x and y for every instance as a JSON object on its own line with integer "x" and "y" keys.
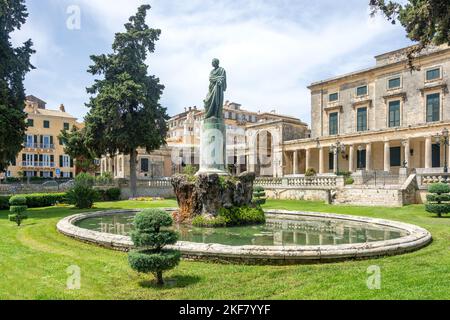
{"x": 159, "y": 278}
{"x": 133, "y": 178}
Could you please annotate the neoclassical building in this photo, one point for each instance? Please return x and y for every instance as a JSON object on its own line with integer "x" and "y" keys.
{"x": 379, "y": 119}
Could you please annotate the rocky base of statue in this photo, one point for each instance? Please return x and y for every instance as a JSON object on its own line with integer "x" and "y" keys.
{"x": 206, "y": 194}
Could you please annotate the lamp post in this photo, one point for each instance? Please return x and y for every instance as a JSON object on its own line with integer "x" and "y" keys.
{"x": 336, "y": 149}
{"x": 443, "y": 139}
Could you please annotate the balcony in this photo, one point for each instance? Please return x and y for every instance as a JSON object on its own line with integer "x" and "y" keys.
{"x": 37, "y": 164}
{"x": 34, "y": 146}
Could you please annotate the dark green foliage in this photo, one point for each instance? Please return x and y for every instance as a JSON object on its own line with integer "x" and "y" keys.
{"x": 349, "y": 181}
{"x": 439, "y": 188}
{"x": 150, "y": 235}
{"x": 208, "y": 222}
{"x": 189, "y": 170}
{"x": 75, "y": 145}
{"x": 14, "y": 65}
{"x": 236, "y": 216}
{"x": 41, "y": 200}
{"x": 82, "y": 194}
{"x": 259, "y": 196}
{"x": 4, "y": 202}
{"x": 113, "y": 194}
{"x": 310, "y": 172}
{"x": 36, "y": 200}
{"x": 425, "y": 21}
{"x": 18, "y": 206}
{"x": 438, "y": 199}
{"x": 124, "y": 110}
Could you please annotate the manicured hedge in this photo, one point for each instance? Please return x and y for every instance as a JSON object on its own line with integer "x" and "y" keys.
{"x": 36, "y": 200}
{"x": 112, "y": 194}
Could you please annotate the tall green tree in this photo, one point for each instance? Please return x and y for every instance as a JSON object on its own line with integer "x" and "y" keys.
{"x": 125, "y": 113}
{"x": 14, "y": 64}
{"x": 425, "y": 21}
{"x": 75, "y": 145}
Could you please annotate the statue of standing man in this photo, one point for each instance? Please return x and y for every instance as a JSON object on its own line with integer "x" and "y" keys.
{"x": 217, "y": 87}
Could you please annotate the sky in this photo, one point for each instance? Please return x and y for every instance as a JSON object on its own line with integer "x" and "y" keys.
{"x": 271, "y": 49}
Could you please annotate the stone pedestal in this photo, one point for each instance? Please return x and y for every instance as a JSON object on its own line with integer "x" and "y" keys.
{"x": 207, "y": 193}
{"x": 213, "y": 152}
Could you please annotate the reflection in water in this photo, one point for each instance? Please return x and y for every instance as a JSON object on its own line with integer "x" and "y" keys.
{"x": 307, "y": 231}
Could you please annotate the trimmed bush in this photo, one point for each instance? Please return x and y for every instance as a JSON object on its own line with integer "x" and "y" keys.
{"x": 439, "y": 188}
{"x": 40, "y": 200}
{"x": 4, "y": 202}
{"x": 36, "y": 200}
{"x": 438, "y": 199}
{"x": 235, "y": 216}
{"x": 17, "y": 207}
{"x": 150, "y": 235}
{"x": 113, "y": 194}
{"x": 259, "y": 196}
{"x": 83, "y": 195}
{"x": 349, "y": 181}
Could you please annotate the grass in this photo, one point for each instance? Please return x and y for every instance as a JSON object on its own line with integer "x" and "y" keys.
{"x": 34, "y": 259}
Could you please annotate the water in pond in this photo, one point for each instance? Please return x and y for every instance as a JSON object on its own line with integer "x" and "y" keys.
{"x": 307, "y": 231}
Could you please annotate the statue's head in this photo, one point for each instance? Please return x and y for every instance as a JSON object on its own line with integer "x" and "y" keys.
{"x": 215, "y": 63}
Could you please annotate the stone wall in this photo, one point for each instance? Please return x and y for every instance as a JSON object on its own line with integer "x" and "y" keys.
{"x": 164, "y": 192}
{"x": 369, "y": 196}
{"x": 298, "y": 194}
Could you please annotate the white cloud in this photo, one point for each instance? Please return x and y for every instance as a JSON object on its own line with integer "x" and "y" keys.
{"x": 271, "y": 49}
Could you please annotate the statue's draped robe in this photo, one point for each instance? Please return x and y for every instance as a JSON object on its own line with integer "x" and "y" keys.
{"x": 217, "y": 87}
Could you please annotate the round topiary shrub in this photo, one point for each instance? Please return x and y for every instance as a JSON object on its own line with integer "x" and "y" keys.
{"x": 439, "y": 188}
{"x": 17, "y": 207}
{"x": 259, "y": 195}
{"x": 438, "y": 199}
{"x": 150, "y": 235}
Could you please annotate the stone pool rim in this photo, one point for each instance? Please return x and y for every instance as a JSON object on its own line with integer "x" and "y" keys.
{"x": 415, "y": 239}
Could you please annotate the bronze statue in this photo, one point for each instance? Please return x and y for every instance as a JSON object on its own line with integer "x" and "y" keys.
{"x": 217, "y": 87}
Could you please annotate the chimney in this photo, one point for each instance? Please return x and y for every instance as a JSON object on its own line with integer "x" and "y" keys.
{"x": 62, "y": 108}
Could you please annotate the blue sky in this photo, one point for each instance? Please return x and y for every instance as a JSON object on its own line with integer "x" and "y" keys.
{"x": 272, "y": 49}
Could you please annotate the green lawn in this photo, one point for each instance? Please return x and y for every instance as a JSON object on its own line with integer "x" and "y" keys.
{"x": 34, "y": 259}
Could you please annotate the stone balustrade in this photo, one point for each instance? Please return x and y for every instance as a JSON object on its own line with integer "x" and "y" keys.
{"x": 325, "y": 182}
{"x": 426, "y": 179}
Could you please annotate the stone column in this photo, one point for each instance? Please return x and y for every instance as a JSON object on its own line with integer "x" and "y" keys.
{"x": 295, "y": 162}
{"x": 308, "y": 159}
{"x": 321, "y": 161}
{"x": 428, "y": 153}
{"x": 369, "y": 157}
{"x": 335, "y": 162}
{"x": 387, "y": 156}
{"x": 407, "y": 155}
{"x": 351, "y": 158}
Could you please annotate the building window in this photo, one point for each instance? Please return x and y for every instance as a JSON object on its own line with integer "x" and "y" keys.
{"x": 46, "y": 124}
{"x": 144, "y": 165}
{"x": 30, "y": 122}
{"x": 394, "y": 83}
{"x": 333, "y": 97}
{"x": 394, "y": 114}
{"x": 66, "y": 126}
{"x": 433, "y": 74}
{"x": 334, "y": 120}
{"x": 361, "y": 159}
{"x": 30, "y": 141}
{"x": 361, "y": 119}
{"x": 395, "y": 156}
{"x": 436, "y": 155}
{"x": 433, "y": 107}
{"x": 361, "y": 91}
{"x": 64, "y": 161}
{"x": 331, "y": 161}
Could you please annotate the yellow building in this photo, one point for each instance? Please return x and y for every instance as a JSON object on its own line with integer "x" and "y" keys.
{"x": 43, "y": 153}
